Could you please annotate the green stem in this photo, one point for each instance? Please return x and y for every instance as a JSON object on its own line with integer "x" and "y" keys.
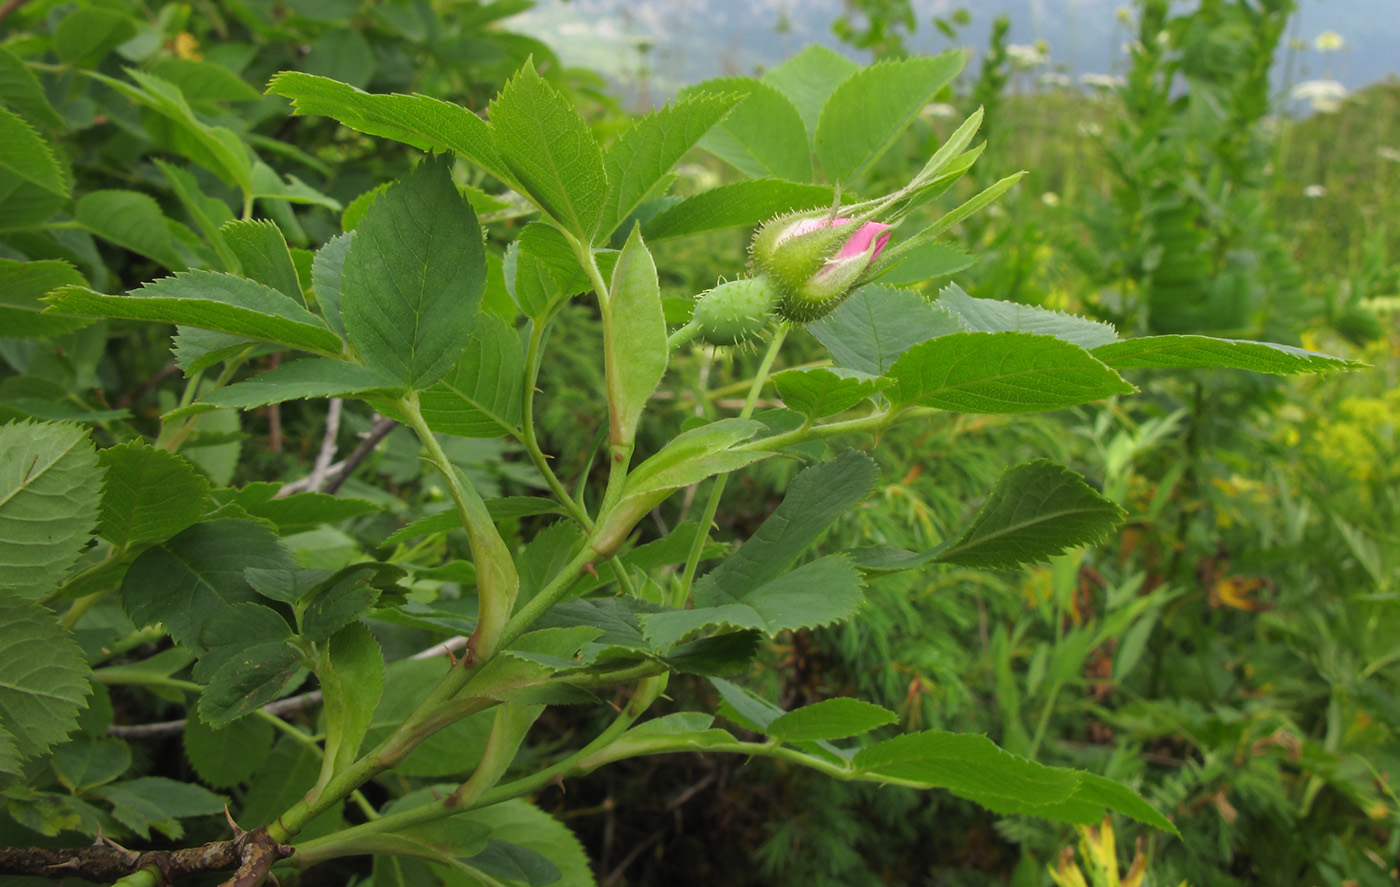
{"x": 426, "y": 719}
{"x": 347, "y": 841}
{"x": 597, "y": 753}
{"x": 682, "y": 335}
{"x": 130, "y": 642}
{"x": 702, "y": 533}
{"x": 874, "y": 423}
{"x": 171, "y": 442}
{"x": 547, "y": 596}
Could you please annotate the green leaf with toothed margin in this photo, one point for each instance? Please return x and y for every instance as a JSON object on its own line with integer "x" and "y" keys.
{"x": 873, "y": 107}
{"x": 1203, "y": 352}
{"x": 1000, "y": 373}
{"x": 413, "y": 278}
{"x": 209, "y": 300}
{"x": 45, "y": 684}
{"x": 830, "y": 719}
{"x": 644, "y": 153}
{"x": 763, "y": 136}
{"x": 149, "y": 495}
{"x": 420, "y": 121}
{"x": 1036, "y": 511}
{"x": 547, "y": 145}
{"x": 50, "y": 488}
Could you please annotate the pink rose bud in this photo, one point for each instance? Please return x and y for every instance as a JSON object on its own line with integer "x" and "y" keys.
{"x": 816, "y": 260}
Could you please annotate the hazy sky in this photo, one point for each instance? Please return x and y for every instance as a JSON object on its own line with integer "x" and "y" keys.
{"x": 696, "y": 39}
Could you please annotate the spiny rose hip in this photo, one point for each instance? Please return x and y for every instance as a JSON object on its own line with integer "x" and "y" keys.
{"x": 735, "y": 312}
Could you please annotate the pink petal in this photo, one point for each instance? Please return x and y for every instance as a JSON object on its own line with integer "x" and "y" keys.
{"x": 860, "y": 242}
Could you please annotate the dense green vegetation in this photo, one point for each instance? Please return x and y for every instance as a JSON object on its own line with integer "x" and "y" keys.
{"x": 1211, "y": 620}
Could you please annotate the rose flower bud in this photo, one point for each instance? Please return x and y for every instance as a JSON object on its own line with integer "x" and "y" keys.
{"x": 815, "y": 260}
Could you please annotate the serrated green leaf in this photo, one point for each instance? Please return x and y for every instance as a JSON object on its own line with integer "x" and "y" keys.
{"x": 50, "y": 487}
{"x": 184, "y": 581}
{"x": 643, "y": 154}
{"x": 234, "y": 628}
{"x": 815, "y": 499}
{"x": 1036, "y": 511}
{"x": 740, "y": 203}
{"x": 877, "y": 324}
{"x": 481, "y": 395}
{"x": 446, "y": 839}
{"x": 45, "y": 681}
{"x": 808, "y": 79}
{"x": 549, "y": 150}
{"x": 992, "y": 316}
{"x": 10, "y": 760}
{"x": 131, "y": 220}
{"x": 255, "y": 676}
{"x": 720, "y": 655}
{"x": 425, "y": 123}
{"x": 525, "y": 825}
{"x": 821, "y": 391}
{"x": 830, "y": 719}
{"x": 1203, "y": 352}
{"x": 352, "y": 678}
{"x": 88, "y": 33}
{"x": 196, "y": 349}
{"x": 224, "y": 758}
{"x": 326, "y": 269}
{"x": 22, "y": 287}
{"x": 345, "y": 596}
{"x": 157, "y": 802}
{"x": 22, "y": 91}
{"x": 298, "y": 379}
{"x": 870, "y": 109}
{"x": 282, "y": 781}
{"x": 32, "y": 184}
{"x": 413, "y": 278}
{"x": 1098, "y": 793}
{"x": 823, "y": 592}
{"x": 1000, "y": 373}
{"x": 213, "y": 301}
{"x": 763, "y": 136}
{"x": 634, "y": 338}
{"x": 970, "y": 766}
{"x": 543, "y": 242}
{"x": 87, "y": 762}
{"x": 150, "y": 494}
{"x": 262, "y": 252}
{"x": 514, "y": 863}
